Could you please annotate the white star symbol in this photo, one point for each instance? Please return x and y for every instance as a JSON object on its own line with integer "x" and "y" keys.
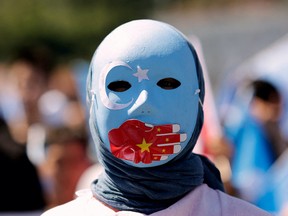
{"x": 141, "y": 74}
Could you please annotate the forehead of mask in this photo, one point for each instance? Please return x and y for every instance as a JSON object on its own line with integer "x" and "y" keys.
{"x": 140, "y": 54}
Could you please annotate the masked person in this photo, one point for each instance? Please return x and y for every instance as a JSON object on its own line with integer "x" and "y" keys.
{"x": 145, "y": 92}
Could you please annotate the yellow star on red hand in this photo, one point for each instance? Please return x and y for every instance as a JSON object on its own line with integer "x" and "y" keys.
{"x": 144, "y": 146}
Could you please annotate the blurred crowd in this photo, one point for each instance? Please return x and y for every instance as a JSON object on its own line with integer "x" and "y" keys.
{"x": 44, "y": 142}
{"x": 46, "y": 151}
{"x": 253, "y": 113}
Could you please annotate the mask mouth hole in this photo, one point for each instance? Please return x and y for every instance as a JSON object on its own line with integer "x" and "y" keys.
{"x": 168, "y": 83}
{"x": 119, "y": 86}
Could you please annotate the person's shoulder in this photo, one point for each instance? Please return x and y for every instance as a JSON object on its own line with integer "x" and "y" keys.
{"x": 74, "y": 207}
{"x": 71, "y": 208}
{"x": 239, "y": 207}
{"x": 205, "y": 201}
{"x": 85, "y": 205}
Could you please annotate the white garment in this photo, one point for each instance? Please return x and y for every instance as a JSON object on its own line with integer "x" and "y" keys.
{"x": 203, "y": 201}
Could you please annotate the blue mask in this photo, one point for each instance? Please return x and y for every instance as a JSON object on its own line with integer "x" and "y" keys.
{"x": 144, "y": 93}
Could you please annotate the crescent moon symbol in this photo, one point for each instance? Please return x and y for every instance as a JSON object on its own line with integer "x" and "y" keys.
{"x": 102, "y": 89}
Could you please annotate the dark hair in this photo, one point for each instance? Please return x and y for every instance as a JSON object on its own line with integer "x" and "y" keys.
{"x": 39, "y": 56}
{"x": 265, "y": 91}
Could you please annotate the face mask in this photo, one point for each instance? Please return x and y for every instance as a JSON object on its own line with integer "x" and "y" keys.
{"x": 145, "y": 90}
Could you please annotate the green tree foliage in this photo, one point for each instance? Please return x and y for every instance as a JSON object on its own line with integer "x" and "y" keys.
{"x": 71, "y": 28}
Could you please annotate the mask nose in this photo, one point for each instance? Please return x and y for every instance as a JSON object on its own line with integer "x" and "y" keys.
{"x": 141, "y": 105}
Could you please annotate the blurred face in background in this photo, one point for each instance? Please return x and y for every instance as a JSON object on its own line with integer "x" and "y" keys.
{"x": 67, "y": 161}
{"x": 31, "y": 84}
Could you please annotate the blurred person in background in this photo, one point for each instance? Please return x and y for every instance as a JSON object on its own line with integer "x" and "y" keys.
{"x": 258, "y": 143}
{"x": 23, "y": 81}
{"x": 61, "y": 104}
{"x": 37, "y": 97}
{"x": 66, "y": 160}
{"x": 30, "y": 70}
{"x": 20, "y": 185}
{"x": 67, "y": 148}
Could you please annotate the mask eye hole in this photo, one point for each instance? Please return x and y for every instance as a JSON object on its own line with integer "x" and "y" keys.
{"x": 119, "y": 86}
{"x": 168, "y": 83}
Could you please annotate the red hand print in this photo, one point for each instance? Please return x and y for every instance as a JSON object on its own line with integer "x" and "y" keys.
{"x": 139, "y": 142}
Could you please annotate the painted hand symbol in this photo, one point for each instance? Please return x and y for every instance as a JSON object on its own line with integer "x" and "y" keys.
{"x": 140, "y": 142}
